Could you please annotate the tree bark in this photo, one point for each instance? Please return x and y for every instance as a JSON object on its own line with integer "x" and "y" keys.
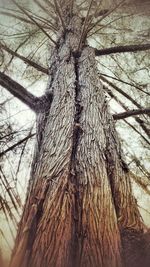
{"x": 79, "y": 197}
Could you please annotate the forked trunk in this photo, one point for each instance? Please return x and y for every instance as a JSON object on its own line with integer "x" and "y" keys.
{"x": 79, "y": 199}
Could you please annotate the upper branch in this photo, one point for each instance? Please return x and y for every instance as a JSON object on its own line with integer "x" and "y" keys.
{"x": 24, "y": 59}
{"x": 122, "y": 49}
{"x": 34, "y": 21}
{"x": 130, "y": 113}
{"x": 18, "y": 91}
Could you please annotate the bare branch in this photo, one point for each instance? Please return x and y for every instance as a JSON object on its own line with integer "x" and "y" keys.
{"x": 107, "y": 24}
{"x": 137, "y": 119}
{"x": 10, "y": 191}
{"x": 124, "y": 106}
{"x": 16, "y": 144}
{"x": 35, "y": 22}
{"x": 137, "y": 131}
{"x": 107, "y": 14}
{"x": 96, "y": 14}
{"x": 59, "y": 11}
{"x": 122, "y": 49}
{"x": 84, "y": 25}
{"x": 16, "y": 17}
{"x": 18, "y": 91}
{"x": 125, "y": 82}
{"x": 119, "y": 90}
{"x": 141, "y": 167}
{"x": 42, "y": 7}
{"x": 49, "y": 3}
{"x": 130, "y": 113}
{"x": 24, "y": 59}
{"x": 140, "y": 182}
{"x": 45, "y": 23}
{"x": 141, "y": 123}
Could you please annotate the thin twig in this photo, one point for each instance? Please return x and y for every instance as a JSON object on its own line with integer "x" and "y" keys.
{"x": 106, "y": 25}
{"x": 58, "y": 10}
{"x": 140, "y": 182}
{"x": 16, "y": 144}
{"x": 35, "y": 22}
{"x": 125, "y": 82}
{"x": 19, "y": 17}
{"x": 24, "y": 59}
{"x": 84, "y": 25}
{"x": 124, "y": 107}
{"x": 106, "y": 14}
{"x": 121, "y": 92}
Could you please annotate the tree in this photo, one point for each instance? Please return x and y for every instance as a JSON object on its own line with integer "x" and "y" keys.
{"x": 79, "y": 210}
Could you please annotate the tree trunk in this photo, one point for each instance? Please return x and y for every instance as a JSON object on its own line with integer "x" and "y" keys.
{"x": 79, "y": 198}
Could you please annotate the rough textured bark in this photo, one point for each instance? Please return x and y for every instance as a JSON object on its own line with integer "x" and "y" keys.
{"x": 79, "y": 198}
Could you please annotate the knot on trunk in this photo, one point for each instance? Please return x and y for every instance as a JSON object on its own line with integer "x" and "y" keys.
{"x": 43, "y": 102}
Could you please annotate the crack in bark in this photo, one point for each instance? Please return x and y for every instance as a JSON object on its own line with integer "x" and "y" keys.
{"x": 22, "y": 255}
{"x": 39, "y": 202}
{"x": 111, "y": 166}
{"x": 77, "y": 131}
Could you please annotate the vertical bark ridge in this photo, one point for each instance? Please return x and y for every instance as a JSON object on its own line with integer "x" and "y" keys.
{"x": 99, "y": 228}
{"x": 77, "y": 132}
{"x": 60, "y": 124}
{"x": 126, "y": 208}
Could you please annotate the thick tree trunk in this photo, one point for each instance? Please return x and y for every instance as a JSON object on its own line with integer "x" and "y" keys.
{"x": 79, "y": 198}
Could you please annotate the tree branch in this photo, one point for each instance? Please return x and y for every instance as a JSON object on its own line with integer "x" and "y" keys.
{"x": 126, "y": 108}
{"x": 107, "y": 13}
{"x": 130, "y": 113}
{"x": 119, "y": 90}
{"x": 137, "y": 131}
{"x": 59, "y": 11}
{"x": 125, "y": 82}
{"x": 34, "y": 21}
{"x": 137, "y": 119}
{"x": 37, "y": 104}
{"x": 18, "y": 91}
{"x": 122, "y": 49}
{"x": 16, "y": 144}
{"x": 140, "y": 181}
{"x": 24, "y": 59}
